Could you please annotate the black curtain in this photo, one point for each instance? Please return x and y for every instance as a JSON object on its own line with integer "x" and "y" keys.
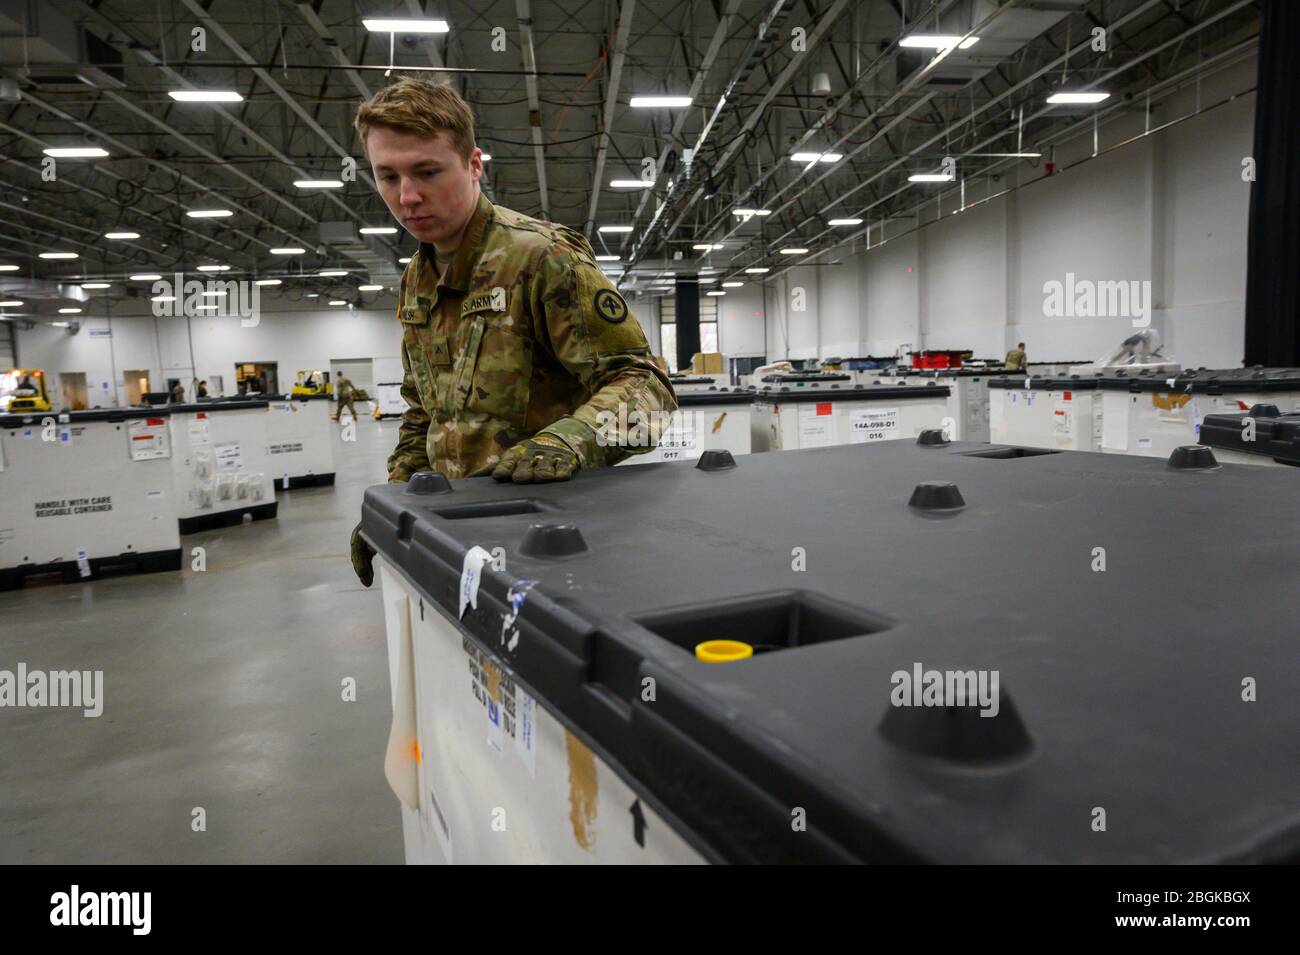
{"x": 1273, "y": 271}
{"x": 688, "y": 320}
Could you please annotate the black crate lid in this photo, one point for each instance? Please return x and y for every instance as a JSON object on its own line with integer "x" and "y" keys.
{"x": 716, "y": 396}
{"x": 76, "y": 417}
{"x": 964, "y": 372}
{"x": 812, "y": 376}
{"x": 692, "y": 380}
{"x": 1277, "y": 435}
{"x": 893, "y": 392}
{"x": 1120, "y": 689}
{"x": 220, "y": 404}
{"x": 292, "y": 397}
{"x": 1044, "y": 382}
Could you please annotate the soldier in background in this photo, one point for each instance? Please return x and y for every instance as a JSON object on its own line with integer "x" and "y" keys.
{"x": 201, "y": 389}
{"x": 1016, "y": 359}
{"x": 178, "y": 394}
{"x": 515, "y": 346}
{"x": 346, "y": 395}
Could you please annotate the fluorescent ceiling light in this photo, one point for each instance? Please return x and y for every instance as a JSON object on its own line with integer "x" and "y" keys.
{"x": 485, "y": 156}
{"x": 121, "y": 235}
{"x": 214, "y": 293}
{"x": 214, "y": 268}
{"x": 58, "y": 255}
{"x": 631, "y": 184}
{"x": 1077, "y": 97}
{"x": 751, "y": 212}
{"x": 930, "y": 177}
{"x": 707, "y": 247}
{"x": 267, "y": 282}
{"x": 370, "y": 288}
{"x": 313, "y": 294}
{"x": 288, "y": 250}
{"x": 732, "y": 284}
{"x": 205, "y": 308}
{"x": 381, "y": 25}
{"x": 145, "y": 277}
{"x": 163, "y": 298}
{"x": 378, "y": 230}
{"x": 653, "y": 102}
{"x": 318, "y": 183}
{"x": 8, "y": 268}
{"x": 76, "y": 152}
{"x": 332, "y": 273}
{"x": 844, "y": 222}
{"x": 205, "y": 96}
{"x": 59, "y": 324}
{"x": 11, "y": 304}
{"x": 707, "y": 279}
{"x": 69, "y": 311}
{"x": 209, "y": 213}
{"x": 816, "y": 157}
{"x": 758, "y": 270}
{"x": 599, "y": 258}
{"x": 94, "y": 285}
{"x": 937, "y": 41}
{"x": 794, "y": 251}
{"x": 338, "y": 301}
{"x": 404, "y": 261}
{"x": 715, "y": 293}
{"x": 615, "y": 228}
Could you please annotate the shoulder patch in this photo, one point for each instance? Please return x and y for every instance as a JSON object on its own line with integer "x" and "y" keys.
{"x": 609, "y": 305}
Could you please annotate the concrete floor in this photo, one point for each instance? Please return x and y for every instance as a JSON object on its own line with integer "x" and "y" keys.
{"x": 222, "y": 689}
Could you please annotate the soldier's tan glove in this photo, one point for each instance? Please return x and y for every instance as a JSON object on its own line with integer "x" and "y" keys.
{"x": 363, "y": 558}
{"x": 540, "y": 459}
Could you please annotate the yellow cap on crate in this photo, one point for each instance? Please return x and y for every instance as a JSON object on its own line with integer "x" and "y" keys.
{"x": 722, "y": 651}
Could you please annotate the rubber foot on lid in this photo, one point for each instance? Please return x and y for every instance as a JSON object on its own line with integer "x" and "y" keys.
{"x": 936, "y": 496}
{"x": 932, "y": 437}
{"x": 1192, "y": 457}
{"x": 552, "y": 540}
{"x": 716, "y": 459}
{"x": 1264, "y": 411}
{"x": 428, "y": 482}
{"x": 958, "y": 733}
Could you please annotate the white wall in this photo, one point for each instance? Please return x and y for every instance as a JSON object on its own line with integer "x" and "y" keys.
{"x": 1169, "y": 208}
{"x": 295, "y": 340}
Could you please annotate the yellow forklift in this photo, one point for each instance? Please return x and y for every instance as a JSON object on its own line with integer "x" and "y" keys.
{"x": 22, "y": 391}
{"x": 313, "y": 383}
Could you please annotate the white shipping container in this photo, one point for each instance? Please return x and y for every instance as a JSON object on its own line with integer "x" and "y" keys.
{"x": 85, "y": 490}
{"x": 220, "y": 467}
{"x": 703, "y": 421}
{"x": 1063, "y": 414}
{"x": 785, "y": 419}
{"x": 300, "y": 440}
{"x": 389, "y": 400}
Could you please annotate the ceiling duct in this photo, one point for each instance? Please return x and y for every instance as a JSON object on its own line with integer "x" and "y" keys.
{"x": 54, "y": 51}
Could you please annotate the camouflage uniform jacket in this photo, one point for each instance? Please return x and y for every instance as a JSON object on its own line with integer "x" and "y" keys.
{"x": 522, "y": 333}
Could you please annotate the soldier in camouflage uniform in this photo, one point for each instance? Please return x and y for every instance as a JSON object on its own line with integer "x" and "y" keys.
{"x": 515, "y": 346}
{"x": 345, "y": 394}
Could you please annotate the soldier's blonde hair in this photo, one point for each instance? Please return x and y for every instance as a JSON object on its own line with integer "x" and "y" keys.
{"x": 419, "y": 107}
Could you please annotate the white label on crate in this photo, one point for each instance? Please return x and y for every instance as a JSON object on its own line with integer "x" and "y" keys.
{"x": 289, "y": 447}
{"x": 83, "y": 563}
{"x": 1063, "y": 419}
{"x": 147, "y": 438}
{"x": 286, "y": 480}
{"x": 73, "y": 505}
{"x": 526, "y": 729}
{"x": 199, "y": 432}
{"x": 65, "y": 436}
{"x": 1144, "y": 444}
{"x": 470, "y": 572}
{"x": 153, "y": 495}
{"x": 1196, "y": 418}
{"x": 1015, "y": 398}
{"x": 27, "y": 432}
{"x": 866, "y": 425}
{"x": 228, "y": 457}
{"x": 815, "y": 421}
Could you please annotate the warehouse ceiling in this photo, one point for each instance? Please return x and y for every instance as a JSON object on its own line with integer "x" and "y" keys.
{"x": 551, "y": 84}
